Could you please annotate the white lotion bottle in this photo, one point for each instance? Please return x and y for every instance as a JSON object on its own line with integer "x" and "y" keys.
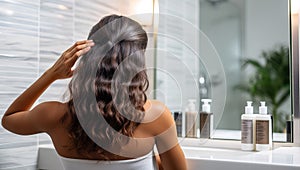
{"x": 263, "y": 129}
{"x": 190, "y": 119}
{"x": 206, "y": 120}
{"x": 248, "y": 128}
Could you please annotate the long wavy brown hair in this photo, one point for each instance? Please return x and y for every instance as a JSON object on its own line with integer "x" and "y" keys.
{"x": 118, "y": 85}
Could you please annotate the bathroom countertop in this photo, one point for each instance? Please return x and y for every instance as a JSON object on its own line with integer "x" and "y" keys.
{"x": 226, "y": 154}
{"x": 287, "y": 158}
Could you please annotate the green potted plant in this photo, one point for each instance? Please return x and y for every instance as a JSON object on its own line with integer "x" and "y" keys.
{"x": 270, "y": 82}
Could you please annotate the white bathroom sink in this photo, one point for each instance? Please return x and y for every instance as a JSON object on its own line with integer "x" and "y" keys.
{"x": 206, "y": 158}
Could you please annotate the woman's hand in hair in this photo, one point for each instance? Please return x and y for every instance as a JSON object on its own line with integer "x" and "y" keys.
{"x": 63, "y": 66}
{"x": 20, "y": 118}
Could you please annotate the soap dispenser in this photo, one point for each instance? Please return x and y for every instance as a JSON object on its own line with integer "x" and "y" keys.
{"x": 248, "y": 128}
{"x": 263, "y": 129}
{"x": 206, "y": 119}
{"x": 190, "y": 119}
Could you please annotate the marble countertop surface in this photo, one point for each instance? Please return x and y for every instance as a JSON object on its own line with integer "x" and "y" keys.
{"x": 286, "y": 156}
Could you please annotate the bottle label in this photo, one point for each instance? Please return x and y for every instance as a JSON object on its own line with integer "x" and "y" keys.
{"x": 205, "y": 126}
{"x": 191, "y": 130}
{"x": 247, "y": 131}
{"x": 262, "y": 131}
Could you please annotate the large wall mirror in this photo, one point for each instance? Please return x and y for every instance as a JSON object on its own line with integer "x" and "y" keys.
{"x": 251, "y": 38}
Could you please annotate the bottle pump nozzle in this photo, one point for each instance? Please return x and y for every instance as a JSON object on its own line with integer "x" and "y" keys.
{"x": 249, "y": 108}
{"x": 191, "y": 105}
{"x": 206, "y": 105}
{"x": 263, "y": 109}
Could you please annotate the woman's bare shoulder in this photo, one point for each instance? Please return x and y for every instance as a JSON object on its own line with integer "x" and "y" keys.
{"x": 52, "y": 112}
{"x": 154, "y": 106}
{"x": 158, "y": 116}
{"x": 54, "y": 108}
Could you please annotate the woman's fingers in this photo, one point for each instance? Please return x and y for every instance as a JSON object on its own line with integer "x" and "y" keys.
{"x": 77, "y": 51}
{"x": 71, "y": 61}
{"x": 62, "y": 68}
{"x": 77, "y": 44}
{"x": 79, "y": 47}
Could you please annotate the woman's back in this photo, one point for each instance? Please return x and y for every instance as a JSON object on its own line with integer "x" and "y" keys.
{"x": 63, "y": 143}
{"x": 108, "y": 117}
{"x": 156, "y": 113}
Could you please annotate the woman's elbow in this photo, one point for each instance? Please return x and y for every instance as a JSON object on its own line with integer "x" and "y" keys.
{"x": 4, "y": 122}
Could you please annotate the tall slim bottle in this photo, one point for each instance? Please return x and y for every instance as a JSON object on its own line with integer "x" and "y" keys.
{"x": 206, "y": 120}
{"x": 248, "y": 128}
{"x": 190, "y": 119}
{"x": 263, "y": 129}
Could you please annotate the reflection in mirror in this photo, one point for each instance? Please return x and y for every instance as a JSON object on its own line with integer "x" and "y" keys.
{"x": 252, "y": 40}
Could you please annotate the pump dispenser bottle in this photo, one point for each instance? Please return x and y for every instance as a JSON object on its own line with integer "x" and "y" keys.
{"x": 248, "y": 128}
{"x": 206, "y": 120}
{"x": 190, "y": 117}
{"x": 263, "y": 129}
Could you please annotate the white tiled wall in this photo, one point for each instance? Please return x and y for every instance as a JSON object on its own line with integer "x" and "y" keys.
{"x": 176, "y": 61}
{"x": 33, "y": 35}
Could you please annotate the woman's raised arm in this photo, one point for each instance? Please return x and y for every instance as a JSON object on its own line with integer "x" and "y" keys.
{"x": 18, "y": 118}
